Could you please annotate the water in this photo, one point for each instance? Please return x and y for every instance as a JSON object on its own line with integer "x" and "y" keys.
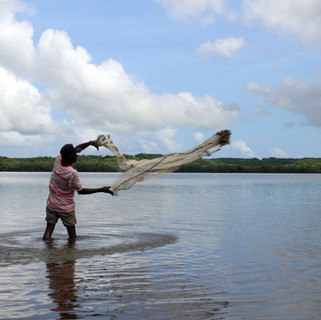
{"x": 195, "y": 246}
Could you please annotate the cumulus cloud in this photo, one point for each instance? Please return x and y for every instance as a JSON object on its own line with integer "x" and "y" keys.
{"x": 293, "y": 95}
{"x": 116, "y": 100}
{"x": 14, "y": 138}
{"x": 242, "y": 147}
{"x": 224, "y": 48}
{"x": 92, "y": 96}
{"x": 201, "y": 11}
{"x": 17, "y": 49}
{"x": 290, "y": 17}
{"x": 165, "y": 140}
{"x": 278, "y": 153}
{"x": 297, "y": 18}
{"x": 23, "y": 108}
{"x": 199, "y": 137}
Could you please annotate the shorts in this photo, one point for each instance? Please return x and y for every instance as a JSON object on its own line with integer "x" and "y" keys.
{"x": 67, "y": 218}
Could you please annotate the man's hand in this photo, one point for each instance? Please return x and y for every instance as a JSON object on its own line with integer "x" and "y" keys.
{"x": 94, "y": 143}
{"x": 107, "y": 190}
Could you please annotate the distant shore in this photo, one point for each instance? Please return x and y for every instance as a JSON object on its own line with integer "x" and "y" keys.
{"x": 89, "y": 163}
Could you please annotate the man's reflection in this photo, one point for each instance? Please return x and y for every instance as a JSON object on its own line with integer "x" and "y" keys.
{"x": 63, "y": 288}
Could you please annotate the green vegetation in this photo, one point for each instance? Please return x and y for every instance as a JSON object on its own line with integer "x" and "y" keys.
{"x": 266, "y": 165}
{"x": 108, "y": 164}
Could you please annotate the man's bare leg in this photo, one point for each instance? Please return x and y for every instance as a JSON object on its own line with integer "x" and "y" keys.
{"x": 72, "y": 232}
{"x": 48, "y": 232}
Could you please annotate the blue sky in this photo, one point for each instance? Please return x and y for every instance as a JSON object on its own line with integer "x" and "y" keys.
{"x": 160, "y": 76}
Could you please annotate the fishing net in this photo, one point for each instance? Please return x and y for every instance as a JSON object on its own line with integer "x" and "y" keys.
{"x": 138, "y": 171}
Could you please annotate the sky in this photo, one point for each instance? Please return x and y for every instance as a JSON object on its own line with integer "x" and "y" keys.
{"x": 161, "y": 76}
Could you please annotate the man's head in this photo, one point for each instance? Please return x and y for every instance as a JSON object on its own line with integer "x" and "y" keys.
{"x": 68, "y": 153}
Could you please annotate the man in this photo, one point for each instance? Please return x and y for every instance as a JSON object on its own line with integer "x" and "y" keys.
{"x": 64, "y": 181}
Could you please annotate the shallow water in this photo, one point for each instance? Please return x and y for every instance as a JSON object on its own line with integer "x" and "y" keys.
{"x": 196, "y": 246}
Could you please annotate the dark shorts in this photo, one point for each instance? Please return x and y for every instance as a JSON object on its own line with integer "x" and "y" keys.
{"x": 67, "y": 218}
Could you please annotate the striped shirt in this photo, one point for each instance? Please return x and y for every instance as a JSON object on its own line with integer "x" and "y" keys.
{"x": 64, "y": 181}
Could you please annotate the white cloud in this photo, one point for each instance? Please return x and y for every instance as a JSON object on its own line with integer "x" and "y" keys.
{"x": 293, "y": 95}
{"x": 199, "y": 137}
{"x": 278, "y": 153}
{"x": 14, "y": 138}
{"x": 241, "y": 146}
{"x": 165, "y": 141}
{"x": 22, "y": 108}
{"x": 224, "y": 48}
{"x": 201, "y": 11}
{"x": 299, "y": 18}
{"x": 17, "y": 50}
{"x": 99, "y": 97}
{"x": 106, "y": 96}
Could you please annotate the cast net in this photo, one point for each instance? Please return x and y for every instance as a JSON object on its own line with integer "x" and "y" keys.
{"x": 138, "y": 171}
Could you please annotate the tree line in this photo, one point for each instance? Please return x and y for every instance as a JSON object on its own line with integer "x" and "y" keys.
{"x": 90, "y": 163}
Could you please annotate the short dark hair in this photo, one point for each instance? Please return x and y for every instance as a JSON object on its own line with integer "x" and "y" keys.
{"x": 66, "y": 150}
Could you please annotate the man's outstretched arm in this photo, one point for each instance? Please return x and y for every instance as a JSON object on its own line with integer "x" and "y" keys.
{"x": 95, "y": 190}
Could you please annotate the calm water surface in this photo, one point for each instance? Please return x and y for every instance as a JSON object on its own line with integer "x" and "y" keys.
{"x": 194, "y": 246}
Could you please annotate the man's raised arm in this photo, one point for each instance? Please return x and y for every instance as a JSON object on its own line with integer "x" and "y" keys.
{"x": 84, "y": 145}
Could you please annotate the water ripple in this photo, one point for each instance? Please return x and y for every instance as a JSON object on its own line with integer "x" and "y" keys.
{"x": 25, "y": 247}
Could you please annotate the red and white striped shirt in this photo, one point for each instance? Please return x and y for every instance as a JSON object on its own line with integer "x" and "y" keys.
{"x": 64, "y": 181}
